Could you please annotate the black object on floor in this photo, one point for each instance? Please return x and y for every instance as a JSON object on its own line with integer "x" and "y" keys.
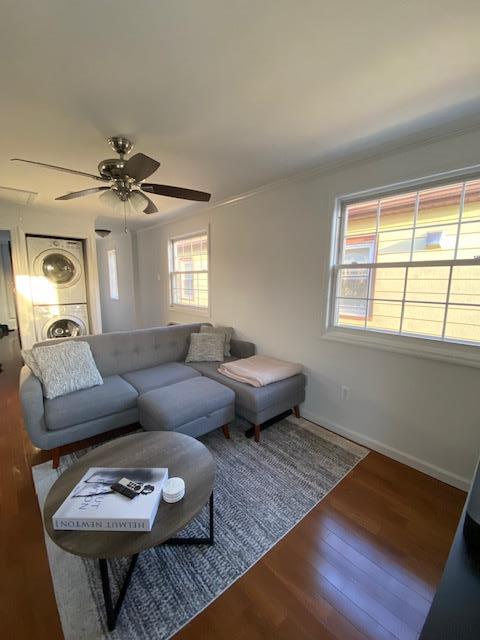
{"x": 3, "y": 330}
{"x": 454, "y": 613}
{"x": 249, "y": 433}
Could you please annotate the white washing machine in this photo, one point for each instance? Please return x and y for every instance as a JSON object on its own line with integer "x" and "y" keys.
{"x": 61, "y": 321}
{"x": 57, "y": 271}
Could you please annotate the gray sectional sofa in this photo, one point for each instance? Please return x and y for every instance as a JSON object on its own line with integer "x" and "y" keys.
{"x": 132, "y": 365}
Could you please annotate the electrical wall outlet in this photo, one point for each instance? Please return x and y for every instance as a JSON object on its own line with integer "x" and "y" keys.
{"x": 344, "y": 392}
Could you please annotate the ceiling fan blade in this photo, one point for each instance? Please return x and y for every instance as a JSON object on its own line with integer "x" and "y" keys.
{"x": 84, "y": 192}
{"x": 175, "y": 192}
{"x": 140, "y": 167}
{"x": 150, "y": 208}
{"x": 64, "y": 169}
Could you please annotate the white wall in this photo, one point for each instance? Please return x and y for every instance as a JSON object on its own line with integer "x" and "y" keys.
{"x": 269, "y": 257}
{"x": 21, "y": 220}
{"x": 117, "y": 315}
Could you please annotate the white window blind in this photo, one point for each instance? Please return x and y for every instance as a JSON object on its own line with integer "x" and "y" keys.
{"x": 189, "y": 271}
{"x": 409, "y": 264}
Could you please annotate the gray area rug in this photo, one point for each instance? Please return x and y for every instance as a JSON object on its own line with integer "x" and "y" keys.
{"x": 261, "y": 492}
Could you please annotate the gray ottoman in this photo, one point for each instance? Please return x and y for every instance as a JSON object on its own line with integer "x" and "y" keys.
{"x": 193, "y": 407}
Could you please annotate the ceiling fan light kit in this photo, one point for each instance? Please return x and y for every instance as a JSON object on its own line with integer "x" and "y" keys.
{"x": 138, "y": 201}
{"x": 109, "y": 198}
{"x": 126, "y": 178}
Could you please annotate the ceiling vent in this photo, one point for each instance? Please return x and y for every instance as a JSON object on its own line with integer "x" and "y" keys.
{"x": 17, "y": 196}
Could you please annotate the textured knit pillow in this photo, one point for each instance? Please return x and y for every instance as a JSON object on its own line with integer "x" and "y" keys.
{"x": 66, "y": 367}
{"x": 29, "y": 359}
{"x": 206, "y": 347}
{"x": 225, "y": 331}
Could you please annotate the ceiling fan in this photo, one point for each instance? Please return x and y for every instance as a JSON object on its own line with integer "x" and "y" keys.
{"x": 126, "y": 178}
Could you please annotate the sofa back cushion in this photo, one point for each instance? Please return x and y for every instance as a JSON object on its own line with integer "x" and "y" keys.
{"x": 123, "y": 351}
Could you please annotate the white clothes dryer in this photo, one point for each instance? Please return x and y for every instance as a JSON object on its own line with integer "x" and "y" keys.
{"x": 57, "y": 271}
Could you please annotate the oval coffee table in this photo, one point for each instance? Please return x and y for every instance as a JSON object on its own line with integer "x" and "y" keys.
{"x": 183, "y": 456}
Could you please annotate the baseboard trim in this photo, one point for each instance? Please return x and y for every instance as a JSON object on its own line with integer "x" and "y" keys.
{"x": 400, "y": 456}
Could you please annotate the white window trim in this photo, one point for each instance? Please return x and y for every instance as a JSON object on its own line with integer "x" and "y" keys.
{"x": 421, "y": 347}
{"x": 187, "y": 308}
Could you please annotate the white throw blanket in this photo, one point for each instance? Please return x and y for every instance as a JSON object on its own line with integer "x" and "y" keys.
{"x": 259, "y": 371}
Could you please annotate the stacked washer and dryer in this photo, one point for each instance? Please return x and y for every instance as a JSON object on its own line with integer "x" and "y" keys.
{"x": 58, "y": 286}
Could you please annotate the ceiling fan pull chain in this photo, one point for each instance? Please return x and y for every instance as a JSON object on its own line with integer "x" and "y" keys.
{"x": 125, "y": 215}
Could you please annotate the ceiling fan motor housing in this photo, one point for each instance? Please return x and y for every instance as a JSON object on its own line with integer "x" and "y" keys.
{"x": 112, "y": 168}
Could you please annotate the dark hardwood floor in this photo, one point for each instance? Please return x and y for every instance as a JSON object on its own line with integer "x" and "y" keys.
{"x": 363, "y": 564}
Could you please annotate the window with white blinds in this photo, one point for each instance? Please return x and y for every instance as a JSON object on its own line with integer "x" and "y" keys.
{"x": 189, "y": 271}
{"x": 409, "y": 264}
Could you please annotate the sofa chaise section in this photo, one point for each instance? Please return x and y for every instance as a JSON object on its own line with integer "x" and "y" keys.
{"x": 258, "y": 404}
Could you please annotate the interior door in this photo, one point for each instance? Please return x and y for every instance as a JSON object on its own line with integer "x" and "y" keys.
{"x": 8, "y": 314}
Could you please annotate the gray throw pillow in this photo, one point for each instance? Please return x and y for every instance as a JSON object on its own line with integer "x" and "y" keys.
{"x": 206, "y": 347}
{"x": 29, "y": 359}
{"x": 225, "y": 331}
{"x": 66, "y": 367}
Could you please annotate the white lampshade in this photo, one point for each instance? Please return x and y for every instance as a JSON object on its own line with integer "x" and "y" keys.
{"x": 109, "y": 198}
{"x": 138, "y": 201}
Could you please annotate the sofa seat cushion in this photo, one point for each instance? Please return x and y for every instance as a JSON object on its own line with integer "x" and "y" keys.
{"x": 179, "y": 404}
{"x": 254, "y": 399}
{"x": 113, "y": 396}
{"x": 160, "y": 376}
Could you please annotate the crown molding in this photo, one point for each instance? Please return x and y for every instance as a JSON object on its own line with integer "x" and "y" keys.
{"x": 346, "y": 159}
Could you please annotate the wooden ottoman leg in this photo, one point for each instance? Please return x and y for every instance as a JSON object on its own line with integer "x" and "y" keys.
{"x": 55, "y": 458}
{"x": 257, "y": 432}
{"x": 296, "y": 411}
{"x": 226, "y": 431}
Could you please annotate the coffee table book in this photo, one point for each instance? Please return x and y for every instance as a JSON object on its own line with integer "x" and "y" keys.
{"x": 93, "y": 506}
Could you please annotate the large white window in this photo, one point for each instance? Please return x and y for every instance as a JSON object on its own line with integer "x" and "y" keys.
{"x": 189, "y": 271}
{"x": 408, "y": 264}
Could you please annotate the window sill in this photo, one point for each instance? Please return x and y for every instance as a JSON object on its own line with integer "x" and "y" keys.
{"x": 431, "y": 349}
{"x": 188, "y": 310}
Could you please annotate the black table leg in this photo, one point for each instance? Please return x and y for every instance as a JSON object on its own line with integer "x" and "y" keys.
{"x": 208, "y": 540}
{"x": 112, "y": 610}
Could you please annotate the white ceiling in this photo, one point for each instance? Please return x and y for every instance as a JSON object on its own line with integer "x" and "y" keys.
{"x": 227, "y": 94}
